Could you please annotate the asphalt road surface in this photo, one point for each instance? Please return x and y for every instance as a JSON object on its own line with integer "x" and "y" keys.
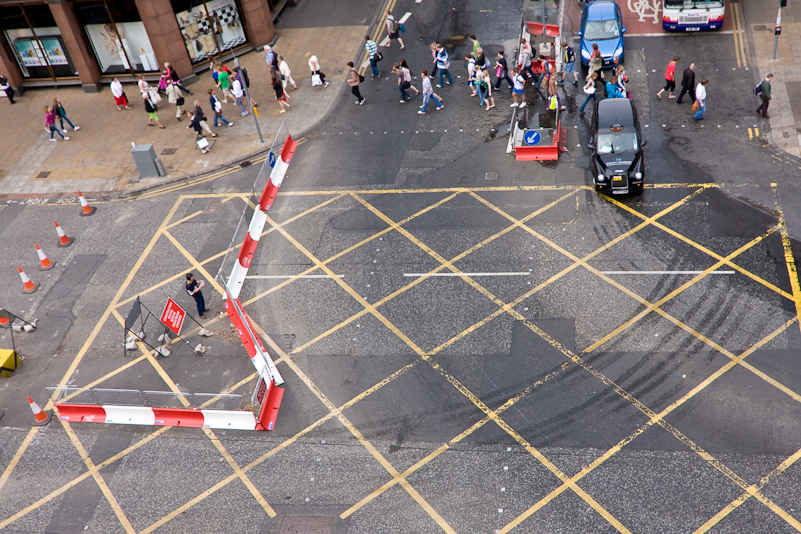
{"x": 469, "y": 343}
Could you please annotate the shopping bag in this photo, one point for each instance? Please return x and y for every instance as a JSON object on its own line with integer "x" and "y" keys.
{"x": 316, "y": 80}
{"x": 696, "y": 107}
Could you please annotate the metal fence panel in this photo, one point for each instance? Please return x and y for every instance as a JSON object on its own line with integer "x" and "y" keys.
{"x": 167, "y": 399}
{"x": 218, "y": 401}
{"x": 119, "y": 397}
{"x": 71, "y": 395}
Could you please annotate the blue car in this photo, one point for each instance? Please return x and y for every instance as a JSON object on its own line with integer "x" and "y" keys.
{"x": 602, "y": 24}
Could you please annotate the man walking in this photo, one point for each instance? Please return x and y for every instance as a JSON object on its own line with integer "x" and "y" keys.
{"x": 443, "y": 65}
{"x": 428, "y": 93}
{"x": 372, "y": 49}
{"x": 393, "y": 29}
{"x": 239, "y": 94}
{"x": 354, "y": 79}
{"x": 764, "y": 96}
{"x": 518, "y": 89}
{"x": 700, "y": 97}
{"x": 569, "y": 63}
{"x": 688, "y": 83}
{"x": 193, "y": 288}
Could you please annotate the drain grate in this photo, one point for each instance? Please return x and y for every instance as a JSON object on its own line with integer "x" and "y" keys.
{"x": 43, "y": 174}
{"x": 491, "y": 176}
{"x": 169, "y": 151}
{"x": 293, "y": 524}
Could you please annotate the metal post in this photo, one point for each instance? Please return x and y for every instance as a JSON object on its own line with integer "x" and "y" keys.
{"x": 544, "y": 20}
{"x": 777, "y": 31}
{"x": 247, "y": 94}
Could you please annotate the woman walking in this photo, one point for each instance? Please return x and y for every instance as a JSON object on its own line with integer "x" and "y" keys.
{"x": 354, "y": 79}
{"x": 197, "y": 112}
{"x": 280, "y": 96}
{"x": 151, "y": 108}
{"x": 286, "y": 74}
{"x": 596, "y": 61}
{"x": 119, "y": 95}
{"x": 486, "y": 85}
{"x": 58, "y": 111}
{"x": 50, "y": 124}
{"x": 314, "y": 67}
{"x": 216, "y": 108}
{"x": 174, "y": 97}
{"x": 476, "y": 80}
{"x": 404, "y": 65}
{"x": 403, "y": 83}
{"x": 670, "y": 79}
{"x": 172, "y": 77}
{"x": 589, "y": 90}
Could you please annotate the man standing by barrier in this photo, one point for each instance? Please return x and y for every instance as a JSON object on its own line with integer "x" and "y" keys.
{"x": 193, "y": 288}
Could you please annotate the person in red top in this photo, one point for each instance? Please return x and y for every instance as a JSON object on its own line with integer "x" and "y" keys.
{"x": 670, "y": 79}
{"x": 50, "y": 124}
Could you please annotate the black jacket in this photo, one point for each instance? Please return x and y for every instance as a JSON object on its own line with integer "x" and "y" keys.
{"x": 150, "y": 106}
{"x": 688, "y": 81}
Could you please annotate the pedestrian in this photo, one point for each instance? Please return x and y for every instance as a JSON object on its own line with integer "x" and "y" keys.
{"x": 239, "y": 94}
{"x": 502, "y": 71}
{"x": 589, "y": 90}
{"x": 6, "y": 87}
{"x": 410, "y": 77}
{"x": 50, "y": 124}
{"x": 443, "y": 65}
{"x": 764, "y": 96}
{"x": 612, "y": 88}
{"x": 569, "y": 62}
{"x": 314, "y": 67}
{"x": 151, "y": 108}
{"x": 216, "y": 108}
{"x": 271, "y": 58}
{"x": 700, "y": 99}
{"x": 224, "y": 83}
{"x": 354, "y": 79}
{"x": 620, "y": 75}
{"x": 670, "y": 79}
{"x": 486, "y": 85}
{"x": 481, "y": 60}
{"x": 547, "y": 71}
{"x": 241, "y": 74}
{"x": 197, "y": 112}
{"x": 476, "y": 44}
{"x": 194, "y": 123}
{"x": 173, "y": 78}
{"x": 471, "y": 74}
{"x": 193, "y": 288}
{"x": 476, "y": 80}
{"x": 596, "y": 61}
{"x": 119, "y": 95}
{"x": 433, "y": 47}
{"x": 428, "y": 94}
{"x": 58, "y": 111}
{"x": 372, "y": 50}
{"x": 518, "y": 89}
{"x": 403, "y": 82}
{"x": 393, "y": 29}
{"x": 174, "y": 97}
{"x": 285, "y": 73}
{"x": 280, "y": 95}
{"x": 144, "y": 87}
{"x": 688, "y": 83}
{"x": 525, "y": 63}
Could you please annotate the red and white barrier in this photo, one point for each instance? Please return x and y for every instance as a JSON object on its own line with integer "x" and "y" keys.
{"x": 258, "y": 353}
{"x": 143, "y": 415}
{"x": 259, "y": 219}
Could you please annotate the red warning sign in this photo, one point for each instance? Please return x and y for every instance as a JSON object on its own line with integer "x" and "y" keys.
{"x": 173, "y": 316}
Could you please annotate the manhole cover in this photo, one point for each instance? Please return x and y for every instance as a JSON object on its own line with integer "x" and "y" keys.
{"x": 169, "y": 151}
{"x": 490, "y": 176}
{"x": 292, "y": 524}
{"x": 214, "y": 205}
{"x": 679, "y": 140}
{"x": 43, "y": 174}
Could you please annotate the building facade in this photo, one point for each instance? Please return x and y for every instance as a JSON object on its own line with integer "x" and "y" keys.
{"x": 89, "y": 42}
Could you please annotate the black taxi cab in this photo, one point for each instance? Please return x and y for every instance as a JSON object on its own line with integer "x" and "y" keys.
{"x": 617, "y": 159}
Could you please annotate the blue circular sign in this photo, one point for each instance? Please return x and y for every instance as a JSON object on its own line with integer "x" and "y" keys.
{"x": 271, "y": 158}
{"x": 532, "y": 138}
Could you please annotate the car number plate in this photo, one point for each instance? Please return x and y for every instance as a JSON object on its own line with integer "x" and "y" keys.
{"x": 619, "y": 191}
{"x": 617, "y": 179}
{"x": 693, "y": 29}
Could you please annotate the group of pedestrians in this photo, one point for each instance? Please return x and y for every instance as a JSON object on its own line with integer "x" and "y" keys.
{"x": 56, "y": 111}
{"x": 697, "y": 92}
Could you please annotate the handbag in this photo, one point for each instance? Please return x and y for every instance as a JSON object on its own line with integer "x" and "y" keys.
{"x": 316, "y": 80}
{"x": 378, "y": 56}
{"x": 180, "y": 101}
{"x": 406, "y": 85}
{"x": 696, "y": 107}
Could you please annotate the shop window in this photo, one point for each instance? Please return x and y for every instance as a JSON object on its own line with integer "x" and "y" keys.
{"x": 36, "y": 42}
{"x": 209, "y": 27}
{"x": 117, "y": 36}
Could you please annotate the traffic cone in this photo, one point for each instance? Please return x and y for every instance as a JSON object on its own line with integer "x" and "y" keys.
{"x": 41, "y": 417}
{"x": 46, "y": 263}
{"x": 63, "y": 240}
{"x": 30, "y": 287}
{"x": 86, "y": 209}
{"x": 5, "y": 322}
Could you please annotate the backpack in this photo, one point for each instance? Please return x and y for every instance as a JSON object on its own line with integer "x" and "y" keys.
{"x": 758, "y": 88}
{"x": 570, "y": 55}
{"x": 395, "y": 26}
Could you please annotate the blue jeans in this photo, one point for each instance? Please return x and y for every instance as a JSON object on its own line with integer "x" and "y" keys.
{"x": 447, "y": 73}
{"x": 403, "y": 94}
{"x": 201, "y": 303}
{"x": 482, "y": 94}
{"x": 373, "y": 66}
{"x": 221, "y": 117}
{"x": 587, "y": 101}
{"x": 65, "y": 118}
{"x": 426, "y": 98}
{"x": 54, "y": 129}
{"x": 701, "y": 108}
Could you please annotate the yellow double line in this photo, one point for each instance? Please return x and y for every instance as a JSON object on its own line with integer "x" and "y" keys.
{"x": 739, "y": 36}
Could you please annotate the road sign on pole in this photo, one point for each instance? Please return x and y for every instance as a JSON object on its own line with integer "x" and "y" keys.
{"x": 173, "y": 316}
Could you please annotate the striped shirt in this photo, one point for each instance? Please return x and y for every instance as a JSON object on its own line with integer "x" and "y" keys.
{"x": 371, "y": 47}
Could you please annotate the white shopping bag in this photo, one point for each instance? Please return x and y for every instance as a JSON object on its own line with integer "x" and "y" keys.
{"x": 316, "y": 80}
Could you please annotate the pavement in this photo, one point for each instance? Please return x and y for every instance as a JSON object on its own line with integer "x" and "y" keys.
{"x": 97, "y": 160}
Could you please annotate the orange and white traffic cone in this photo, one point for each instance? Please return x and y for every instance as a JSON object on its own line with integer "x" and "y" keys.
{"x": 5, "y": 322}
{"x": 40, "y": 416}
{"x": 86, "y": 209}
{"x": 30, "y": 287}
{"x": 63, "y": 240}
{"x": 46, "y": 263}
